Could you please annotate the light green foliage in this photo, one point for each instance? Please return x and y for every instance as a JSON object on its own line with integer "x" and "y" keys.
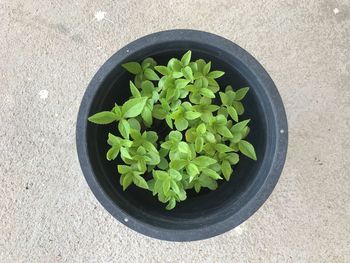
{"x": 205, "y": 140}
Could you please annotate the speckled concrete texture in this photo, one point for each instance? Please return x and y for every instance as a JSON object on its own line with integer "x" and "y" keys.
{"x": 51, "y": 49}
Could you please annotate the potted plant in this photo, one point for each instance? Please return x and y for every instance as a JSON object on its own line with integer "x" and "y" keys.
{"x": 176, "y": 116}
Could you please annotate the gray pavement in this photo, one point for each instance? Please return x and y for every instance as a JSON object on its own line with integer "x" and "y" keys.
{"x": 49, "y": 51}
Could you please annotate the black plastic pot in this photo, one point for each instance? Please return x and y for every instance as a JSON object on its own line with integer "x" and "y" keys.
{"x": 211, "y": 212}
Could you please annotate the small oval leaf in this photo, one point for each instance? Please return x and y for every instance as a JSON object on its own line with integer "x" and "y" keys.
{"x": 103, "y": 117}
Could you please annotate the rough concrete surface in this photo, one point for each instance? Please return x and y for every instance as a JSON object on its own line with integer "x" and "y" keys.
{"x": 51, "y": 49}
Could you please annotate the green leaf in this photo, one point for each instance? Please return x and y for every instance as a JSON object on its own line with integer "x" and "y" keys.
{"x": 140, "y": 181}
{"x": 165, "y": 71}
{"x": 141, "y": 165}
{"x": 117, "y": 111}
{"x": 234, "y": 146}
{"x": 181, "y": 124}
{"x": 224, "y": 98}
{"x": 222, "y": 148}
{"x": 123, "y": 169}
{"x": 159, "y": 112}
{"x": 200, "y": 64}
{"x": 206, "y": 68}
{"x": 170, "y": 93}
{"x": 224, "y": 131}
{"x": 208, "y": 182}
{"x": 181, "y": 83}
{"x": 163, "y": 152}
{"x": 150, "y": 74}
{"x": 112, "y": 153}
{"x": 197, "y": 187}
{"x": 175, "y": 135}
{"x": 201, "y": 129}
{"x": 167, "y": 145}
{"x": 215, "y": 74}
{"x": 245, "y": 132}
{"x": 127, "y": 180}
{"x": 134, "y": 91}
{"x": 133, "y": 107}
{"x": 132, "y": 67}
{"x": 148, "y": 62}
{"x": 183, "y": 147}
{"x": 231, "y": 94}
{"x": 212, "y": 174}
{"x": 134, "y": 124}
{"x": 175, "y": 187}
{"x": 124, "y": 153}
{"x": 233, "y": 113}
{"x": 103, "y": 117}
{"x": 166, "y": 186}
{"x": 236, "y": 137}
{"x": 175, "y": 175}
{"x": 151, "y": 136}
{"x": 228, "y": 88}
{"x": 151, "y": 183}
{"x": 160, "y": 175}
{"x": 213, "y": 85}
{"x": 191, "y": 135}
{"x": 199, "y": 143}
{"x": 147, "y": 116}
{"x": 191, "y": 115}
{"x": 175, "y": 64}
{"x": 186, "y": 58}
{"x": 169, "y": 121}
{"x": 163, "y": 164}
{"x": 221, "y": 120}
{"x": 203, "y": 161}
{"x": 178, "y": 164}
{"x": 153, "y": 154}
{"x": 187, "y": 72}
{"x": 124, "y": 128}
{"x": 238, "y": 127}
{"x": 240, "y": 94}
{"x": 138, "y": 80}
{"x": 223, "y": 111}
{"x": 177, "y": 74}
{"x": 147, "y": 88}
{"x": 210, "y": 137}
{"x": 163, "y": 198}
{"x": 238, "y": 106}
{"x": 226, "y": 169}
{"x": 182, "y": 195}
{"x": 247, "y": 149}
{"x": 145, "y": 65}
{"x": 171, "y": 204}
{"x": 205, "y": 83}
{"x": 212, "y": 108}
{"x": 207, "y": 93}
{"x": 136, "y": 135}
{"x": 186, "y": 105}
{"x": 113, "y": 140}
{"x": 233, "y": 158}
{"x": 192, "y": 169}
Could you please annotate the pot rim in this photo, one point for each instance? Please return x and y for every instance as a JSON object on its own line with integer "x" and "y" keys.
{"x": 278, "y": 159}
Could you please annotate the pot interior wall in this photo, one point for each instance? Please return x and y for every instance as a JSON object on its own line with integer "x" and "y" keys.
{"x": 199, "y": 209}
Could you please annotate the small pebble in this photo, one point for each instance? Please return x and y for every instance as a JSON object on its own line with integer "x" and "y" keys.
{"x": 43, "y": 94}
{"x": 100, "y": 15}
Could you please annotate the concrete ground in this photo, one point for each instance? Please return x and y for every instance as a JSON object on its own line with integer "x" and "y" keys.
{"x": 49, "y": 51}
